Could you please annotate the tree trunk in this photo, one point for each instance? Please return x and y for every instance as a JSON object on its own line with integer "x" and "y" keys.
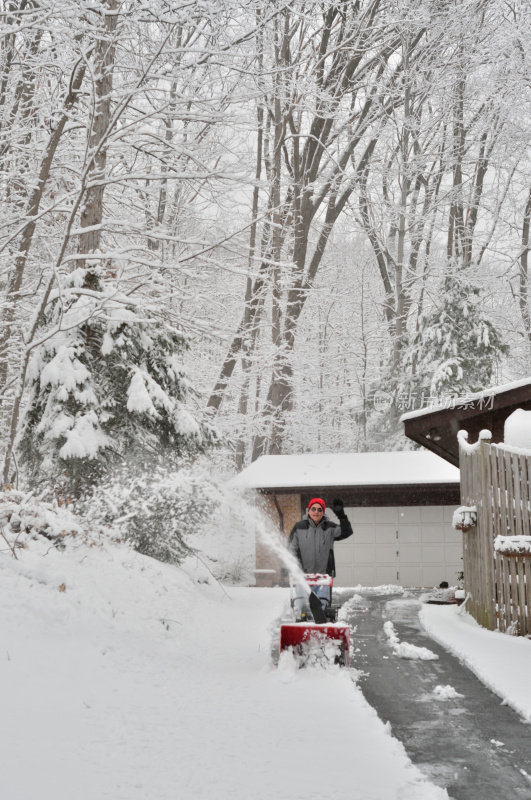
{"x": 523, "y": 293}
{"x": 91, "y": 215}
{"x": 9, "y": 327}
{"x": 249, "y": 343}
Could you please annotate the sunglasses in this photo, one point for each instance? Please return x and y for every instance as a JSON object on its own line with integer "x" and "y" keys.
{"x": 317, "y": 508}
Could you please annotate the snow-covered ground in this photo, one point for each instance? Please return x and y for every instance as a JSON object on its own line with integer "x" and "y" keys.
{"x": 501, "y": 662}
{"x": 128, "y": 679}
{"x": 124, "y": 678}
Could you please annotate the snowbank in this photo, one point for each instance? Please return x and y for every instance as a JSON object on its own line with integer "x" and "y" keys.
{"x": 128, "y": 679}
{"x": 501, "y": 662}
{"x": 405, "y": 649}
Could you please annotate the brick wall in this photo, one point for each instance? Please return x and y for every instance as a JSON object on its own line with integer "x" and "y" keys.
{"x": 284, "y": 510}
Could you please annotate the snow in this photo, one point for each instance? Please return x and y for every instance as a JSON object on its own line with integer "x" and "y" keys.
{"x": 464, "y": 517}
{"x": 462, "y": 438}
{"x": 405, "y": 649}
{"x": 145, "y": 395}
{"x": 126, "y": 678}
{"x": 107, "y": 344}
{"x": 85, "y": 438}
{"x": 64, "y": 369}
{"x": 512, "y": 544}
{"x": 517, "y": 432}
{"x": 517, "y": 429}
{"x": 501, "y": 662}
{"x": 347, "y": 469}
{"x": 138, "y": 399}
{"x": 485, "y": 396}
{"x": 446, "y": 693}
{"x": 24, "y": 512}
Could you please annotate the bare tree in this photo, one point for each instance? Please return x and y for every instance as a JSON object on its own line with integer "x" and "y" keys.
{"x": 425, "y": 190}
{"x": 334, "y": 81}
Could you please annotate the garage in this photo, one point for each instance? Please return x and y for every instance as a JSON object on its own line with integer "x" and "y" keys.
{"x": 400, "y": 505}
{"x": 410, "y": 546}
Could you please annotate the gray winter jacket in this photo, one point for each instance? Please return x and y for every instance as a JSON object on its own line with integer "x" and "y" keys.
{"x": 313, "y": 545}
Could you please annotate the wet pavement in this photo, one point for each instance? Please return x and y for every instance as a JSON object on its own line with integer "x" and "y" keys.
{"x": 473, "y": 745}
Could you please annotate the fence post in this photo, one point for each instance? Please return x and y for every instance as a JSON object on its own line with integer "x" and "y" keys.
{"x": 487, "y": 534}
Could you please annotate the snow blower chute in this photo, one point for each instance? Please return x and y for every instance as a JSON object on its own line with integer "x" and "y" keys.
{"x": 315, "y": 630}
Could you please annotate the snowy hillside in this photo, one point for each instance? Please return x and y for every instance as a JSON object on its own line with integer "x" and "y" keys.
{"x": 127, "y": 679}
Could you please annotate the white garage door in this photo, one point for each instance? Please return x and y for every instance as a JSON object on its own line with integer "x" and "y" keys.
{"x": 409, "y": 546}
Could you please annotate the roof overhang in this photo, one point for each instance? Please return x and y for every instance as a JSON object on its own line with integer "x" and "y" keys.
{"x": 436, "y": 429}
{"x": 411, "y": 494}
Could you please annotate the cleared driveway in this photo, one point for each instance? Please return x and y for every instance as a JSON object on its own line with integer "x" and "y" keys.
{"x": 475, "y": 747}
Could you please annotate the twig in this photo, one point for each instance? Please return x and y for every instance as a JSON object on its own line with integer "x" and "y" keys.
{"x": 6, "y": 540}
{"x": 216, "y": 579}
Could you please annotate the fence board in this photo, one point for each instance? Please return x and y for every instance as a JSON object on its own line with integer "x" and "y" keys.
{"x": 515, "y": 472}
{"x": 510, "y": 494}
{"x": 503, "y": 491}
{"x": 524, "y": 490}
{"x": 527, "y": 572}
{"x": 513, "y": 591}
{"x": 503, "y": 586}
{"x": 507, "y": 610}
{"x": 487, "y": 540}
{"x": 496, "y": 491}
{"x": 521, "y": 592}
{"x": 500, "y": 591}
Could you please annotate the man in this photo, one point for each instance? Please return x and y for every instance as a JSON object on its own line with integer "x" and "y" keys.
{"x": 312, "y": 541}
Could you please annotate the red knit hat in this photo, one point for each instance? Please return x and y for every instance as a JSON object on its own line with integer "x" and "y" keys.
{"x": 317, "y": 500}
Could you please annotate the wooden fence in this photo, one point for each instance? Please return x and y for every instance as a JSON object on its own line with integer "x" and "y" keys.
{"x": 496, "y": 481}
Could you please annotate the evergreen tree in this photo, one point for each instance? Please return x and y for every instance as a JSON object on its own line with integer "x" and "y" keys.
{"x": 453, "y": 353}
{"x": 457, "y": 347}
{"x": 107, "y": 389}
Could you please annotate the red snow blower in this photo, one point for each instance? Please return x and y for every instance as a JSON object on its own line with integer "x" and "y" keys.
{"x": 315, "y": 632}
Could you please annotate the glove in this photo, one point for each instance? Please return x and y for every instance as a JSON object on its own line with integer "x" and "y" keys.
{"x": 337, "y": 508}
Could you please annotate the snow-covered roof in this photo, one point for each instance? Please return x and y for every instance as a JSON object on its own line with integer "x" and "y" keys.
{"x": 348, "y": 469}
{"x": 467, "y": 400}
